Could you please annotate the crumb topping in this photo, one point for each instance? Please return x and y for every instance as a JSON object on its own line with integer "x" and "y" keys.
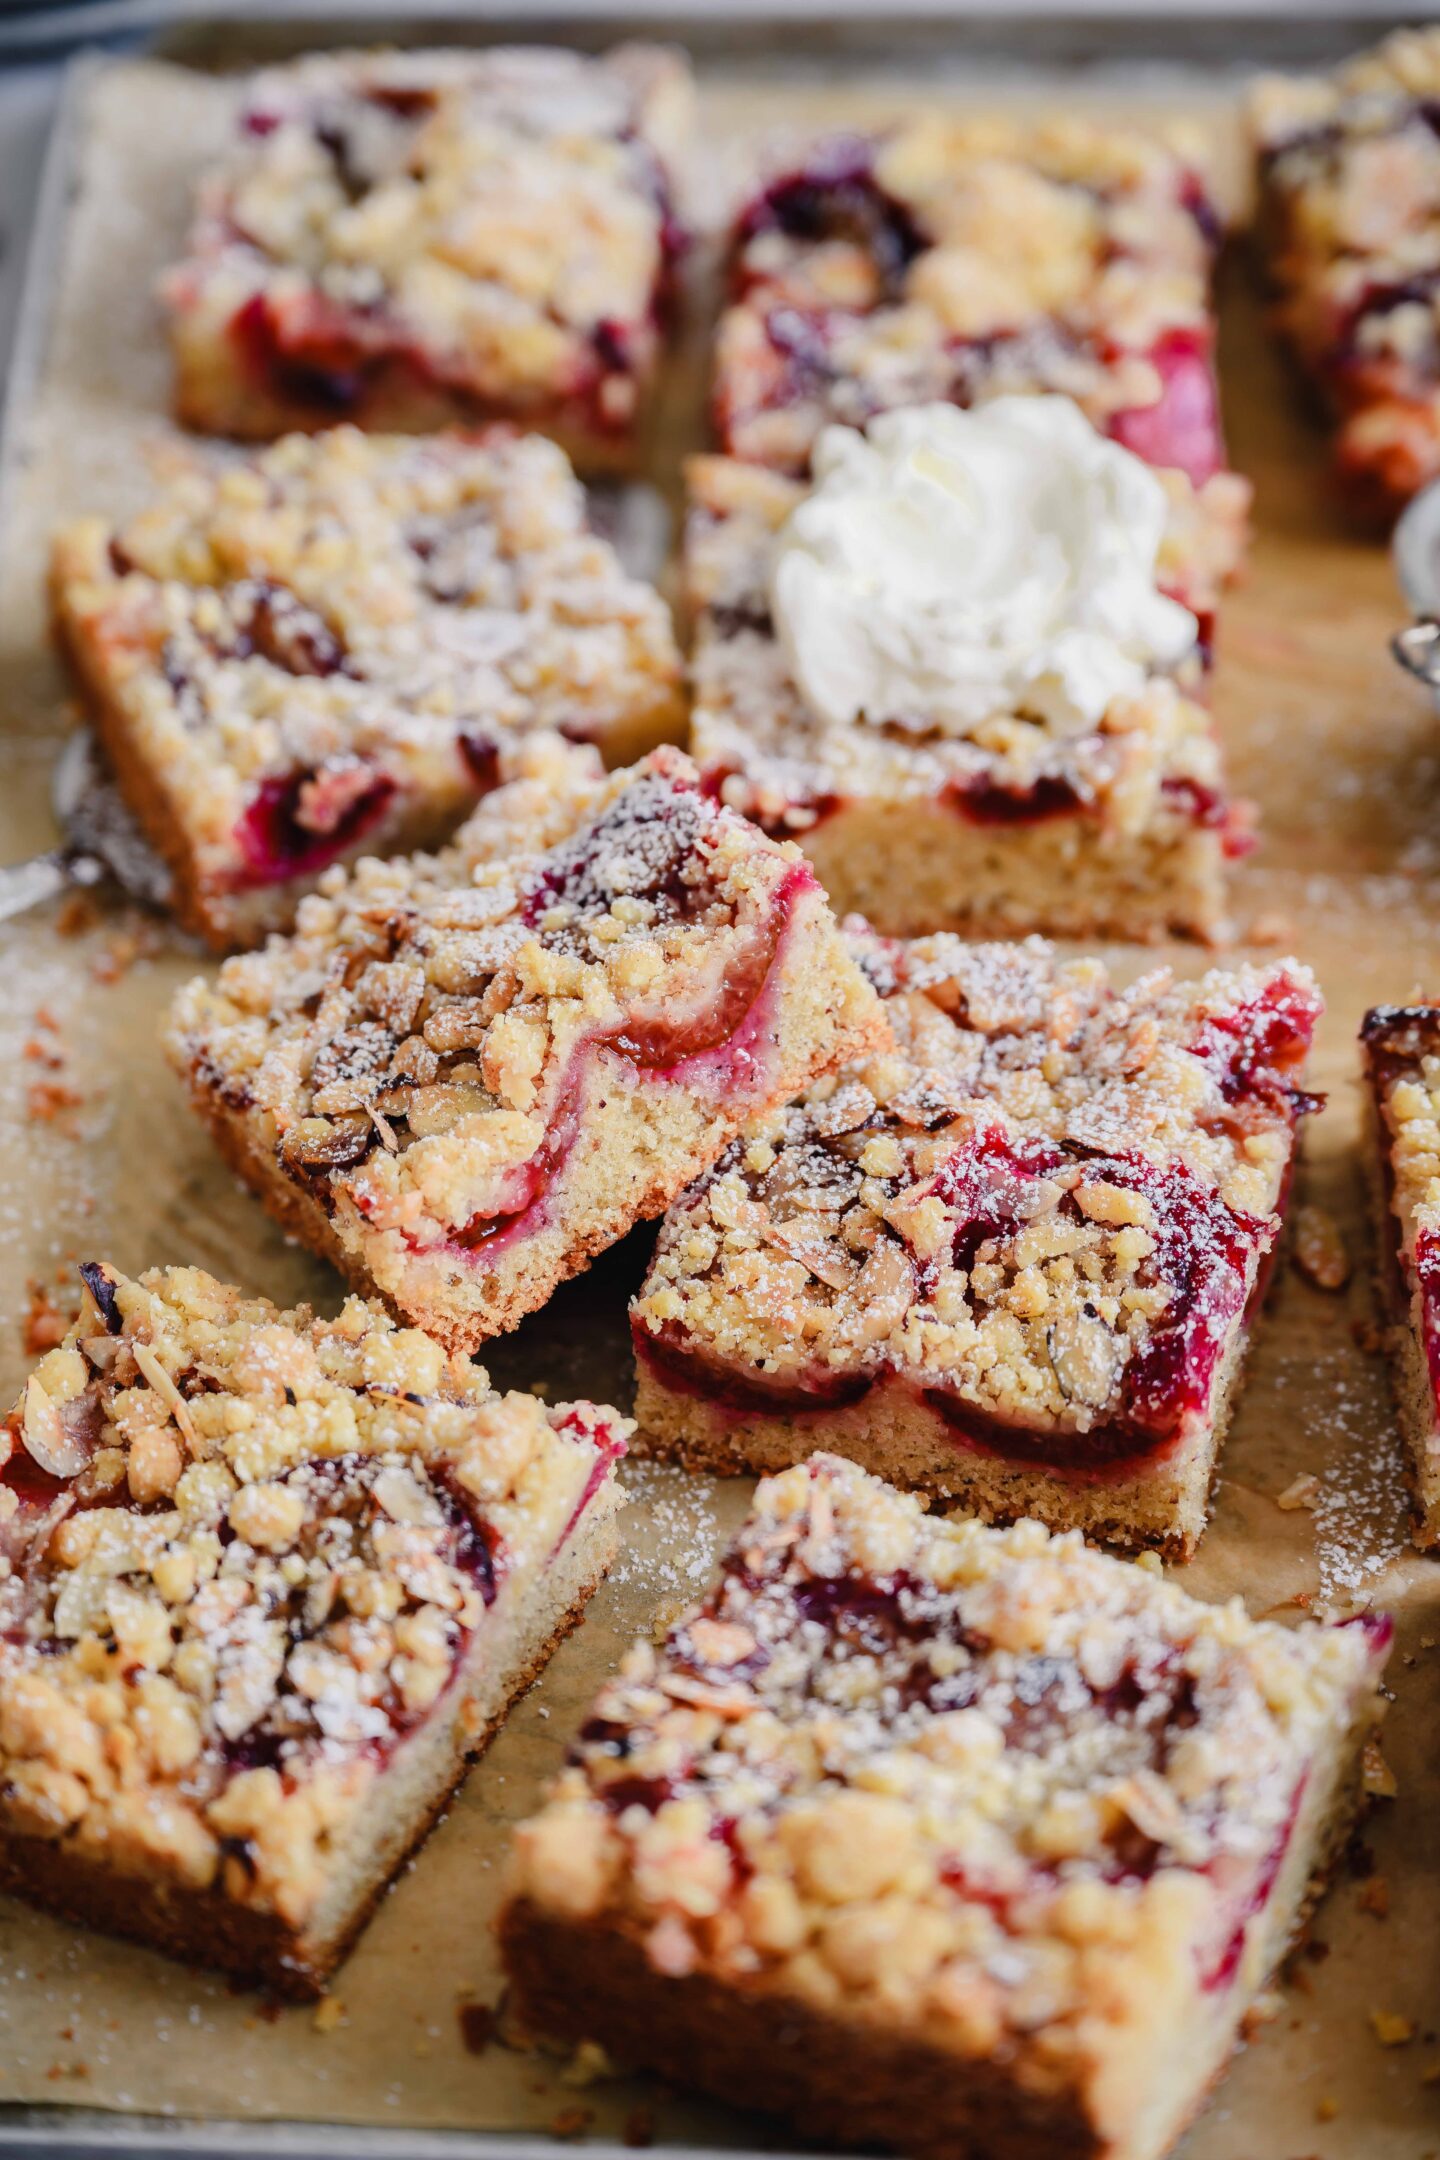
{"x": 1153, "y": 761}
{"x": 242, "y": 1554}
{"x": 984, "y": 1784}
{"x": 501, "y": 221}
{"x": 419, "y": 1051}
{"x": 289, "y": 633}
{"x": 1048, "y": 1203}
{"x": 1350, "y": 178}
{"x": 961, "y": 258}
{"x": 1402, "y": 1050}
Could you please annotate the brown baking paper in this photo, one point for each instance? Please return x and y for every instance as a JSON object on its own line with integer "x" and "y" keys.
{"x": 1342, "y": 756}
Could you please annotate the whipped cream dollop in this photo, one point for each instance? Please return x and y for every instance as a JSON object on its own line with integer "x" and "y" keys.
{"x": 951, "y": 566}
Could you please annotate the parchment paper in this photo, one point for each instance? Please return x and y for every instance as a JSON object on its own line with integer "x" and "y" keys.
{"x": 1341, "y": 754}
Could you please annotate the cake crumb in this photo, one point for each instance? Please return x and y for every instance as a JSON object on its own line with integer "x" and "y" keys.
{"x": 1374, "y": 1897}
{"x": 1326, "y": 2109}
{"x": 329, "y": 2014}
{"x": 1319, "y": 1249}
{"x": 138, "y": 940}
{"x": 78, "y": 912}
{"x": 588, "y": 2065}
{"x": 1377, "y": 1776}
{"x": 638, "y": 2127}
{"x": 1390, "y": 2029}
{"x": 1263, "y": 2011}
{"x": 45, "y": 1323}
{"x": 571, "y": 2122}
{"x": 477, "y": 2025}
{"x": 49, "y": 1102}
{"x": 1272, "y": 928}
{"x": 1299, "y": 1493}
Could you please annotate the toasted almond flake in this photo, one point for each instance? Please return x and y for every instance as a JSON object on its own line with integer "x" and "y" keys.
{"x": 45, "y": 1436}
{"x": 1320, "y": 1252}
{"x": 165, "y": 1388}
{"x": 807, "y": 1241}
{"x": 1299, "y": 1493}
{"x": 725, "y": 1702}
{"x": 385, "y": 1129}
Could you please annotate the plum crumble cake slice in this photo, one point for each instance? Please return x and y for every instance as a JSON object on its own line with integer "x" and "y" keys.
{"x": 406, "y": 239}
{"x": 1401, "y": 1045}
{"x": 1012, "y": 1261}
{"x": 267, "y": 1583}
{"x": 326, "y": 648}
{"x": 938, "y": 798}
{"x": 1349, "y": 175}
{"x": 927, "y": 1835}
{"x": 963, "y": 258}
{"x": 462, "y": 1094}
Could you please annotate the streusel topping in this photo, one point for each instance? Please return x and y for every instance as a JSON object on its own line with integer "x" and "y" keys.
{"x": 1048, "y": 1202}
{"x": 505, "y": 216}
{"x": 959, "y": 259}
{"x": 242, "y": 1552}
{"x": 343, "y": 611}
{"x": 414, "y": 1048}
{"x": 1350, "y": 171}
{"x": 994, "y": 221}
{"x": 1402, "y": 1045}
{"x": 1153, "y": 760}
{"x": 949, "y": 1777}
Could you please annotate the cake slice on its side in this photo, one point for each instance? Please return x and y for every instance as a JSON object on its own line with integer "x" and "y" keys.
{"x": 461, "y": 1079}
{"x": 1402, "y": 1070}
{"x": 269, "y": 1583}
{"x": 333, "y": 648}
{"x": 1012, "y": 1262}
{"x": 938, "y": 1838}
{"x": 410, "y": 239}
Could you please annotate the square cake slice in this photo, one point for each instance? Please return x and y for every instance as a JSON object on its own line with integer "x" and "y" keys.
{"x": 1013, "y": 1261}
{"x": 267, "y": 1584}
{"x": 408, "y": 239}
{"x": 324, "y": 650}
{"x": 998, "y": 820}
{"x": 1349, "y": 181}
{"x": 959, "y": 258}
{"x": 939, "y": 1838}
{"x": 462, "y": 1093}
{"x": 1401, "y": 1046}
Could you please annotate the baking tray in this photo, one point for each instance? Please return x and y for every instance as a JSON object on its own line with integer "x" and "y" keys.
{"x": 1322, "y": 729}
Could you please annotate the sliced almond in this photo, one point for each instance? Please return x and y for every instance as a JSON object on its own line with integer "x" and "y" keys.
{"x": 1086, "y": 1356}
{"x": 49, "y": 1439}
{"x": 158, "y": 1379}
{"x": 809, "y": 1239}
